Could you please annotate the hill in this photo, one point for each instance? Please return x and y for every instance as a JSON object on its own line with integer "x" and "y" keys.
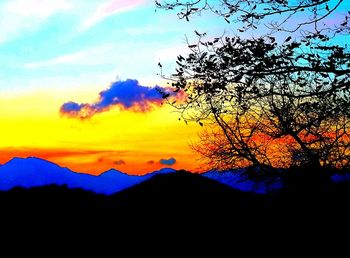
{"x": 179, "y": 201}
{"x": 184, "y": 192}
{"x": 170, "y": 192}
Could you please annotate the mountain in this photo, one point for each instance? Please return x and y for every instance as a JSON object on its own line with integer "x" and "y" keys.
{"x": 164, "y": 190}
{"x": 167, "y": 196}
{"x": 170, "y": 203}
{"x": 184, "y": 193}
{"x": 237, "y": 180}
{"x": 32, "y": 172}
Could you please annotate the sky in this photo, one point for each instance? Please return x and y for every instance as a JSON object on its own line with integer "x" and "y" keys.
{"x": 79, "y": 80}
{"x": 78, "y": 84}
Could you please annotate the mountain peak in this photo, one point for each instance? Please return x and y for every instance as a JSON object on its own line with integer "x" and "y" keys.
{"x": 28, "y": 160}
{"x": 164, "y": 171}
{"x": 112, "y": 172}
{"x": 32, "y": 172}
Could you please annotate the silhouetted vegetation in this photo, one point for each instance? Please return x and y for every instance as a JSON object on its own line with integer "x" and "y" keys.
{"x": 176, "y": 194}
{"x": 265, "y": 105}
{"x": 307, "y": 16}
{"x": 173, "y": 208}
{"x": 268, "y": 103}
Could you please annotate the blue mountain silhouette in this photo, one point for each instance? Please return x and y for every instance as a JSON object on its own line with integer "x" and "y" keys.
{"x": 31, "y": 172}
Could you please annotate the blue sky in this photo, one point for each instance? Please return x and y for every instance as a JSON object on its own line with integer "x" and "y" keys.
{"x": 75, "y": 43}
{"x": 76, "y": 51}
{"x": 65, "y": 43}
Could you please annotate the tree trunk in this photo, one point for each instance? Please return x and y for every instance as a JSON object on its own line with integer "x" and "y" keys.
{"x": 312, "y": 157}
{"x": 311, "y": 177}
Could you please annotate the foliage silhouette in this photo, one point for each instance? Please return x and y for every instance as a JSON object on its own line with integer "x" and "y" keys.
{"x": 267, "y": 103}
{"x": 306, "y": 16}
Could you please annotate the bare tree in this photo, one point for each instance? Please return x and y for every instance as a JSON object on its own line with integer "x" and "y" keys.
{"x": 307, "y": 16}
{"x": 262, "y": 96}
{"x": 269, "y": 104}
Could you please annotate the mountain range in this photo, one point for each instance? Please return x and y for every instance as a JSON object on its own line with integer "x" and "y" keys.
{"x": 34, "y": 172}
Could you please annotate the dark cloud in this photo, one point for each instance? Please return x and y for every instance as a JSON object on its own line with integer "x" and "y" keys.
{"x": 127, "y": 94}
{"x": 119, "y": 162}
{"x": 167, "y": 162}
{"x": 151, "y": 162}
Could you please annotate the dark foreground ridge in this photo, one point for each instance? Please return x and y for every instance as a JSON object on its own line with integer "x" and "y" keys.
{"x": 188, "y": 204}
{"x": 164, "y": 192}
{"x": 177, "y": 194}
{"x": 185, "y": 192}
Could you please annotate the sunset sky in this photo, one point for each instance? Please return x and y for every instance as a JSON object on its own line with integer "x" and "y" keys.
{"x": 79, "y": 84}
{"x": 56, "y": 59}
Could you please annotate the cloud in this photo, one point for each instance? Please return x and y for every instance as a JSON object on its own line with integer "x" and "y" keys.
{"x": 167, "y": 162}
{"x": 119, "y": 162}
{"x": 54, "y": 154}
{"x": 100, "y": 55}
{"x": 127, "y": 95}
{"x": 21, "y": 15}
{"x": 111, "y": 8}
{"x": 150, "y": 162}
{"x": 64, "y": 59}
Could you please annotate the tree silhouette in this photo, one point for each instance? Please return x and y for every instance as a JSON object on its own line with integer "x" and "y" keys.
{"x": 308, "y": 16}
{"x": 263, "y": 96}
{"x": 268, "y": 104}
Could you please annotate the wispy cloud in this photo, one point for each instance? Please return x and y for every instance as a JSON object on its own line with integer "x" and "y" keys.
{"x": 19, "y": 15}
{"x": 127, "y": 95}
{"x": 54, "y": 153}
{"x": 119, "y": 162}
{"x": 92, "y": 56}
{"x": 64, "y": 59}
{"x": 111, "y": 8}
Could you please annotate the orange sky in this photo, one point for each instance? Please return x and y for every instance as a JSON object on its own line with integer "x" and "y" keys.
{"x": 31, "y": 125}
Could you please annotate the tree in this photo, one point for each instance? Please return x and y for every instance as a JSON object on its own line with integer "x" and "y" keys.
{"x": 278, "y": 15}
{"x": 268, "y": 104}
{"x": 260, "y": 94}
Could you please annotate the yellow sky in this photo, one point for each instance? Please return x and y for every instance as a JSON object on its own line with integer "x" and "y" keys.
{"x": 31, "y": 125}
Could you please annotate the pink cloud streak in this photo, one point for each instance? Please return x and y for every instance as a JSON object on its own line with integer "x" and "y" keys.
{"x": 120, "y": 5}
{"x": 111, "y": 8}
